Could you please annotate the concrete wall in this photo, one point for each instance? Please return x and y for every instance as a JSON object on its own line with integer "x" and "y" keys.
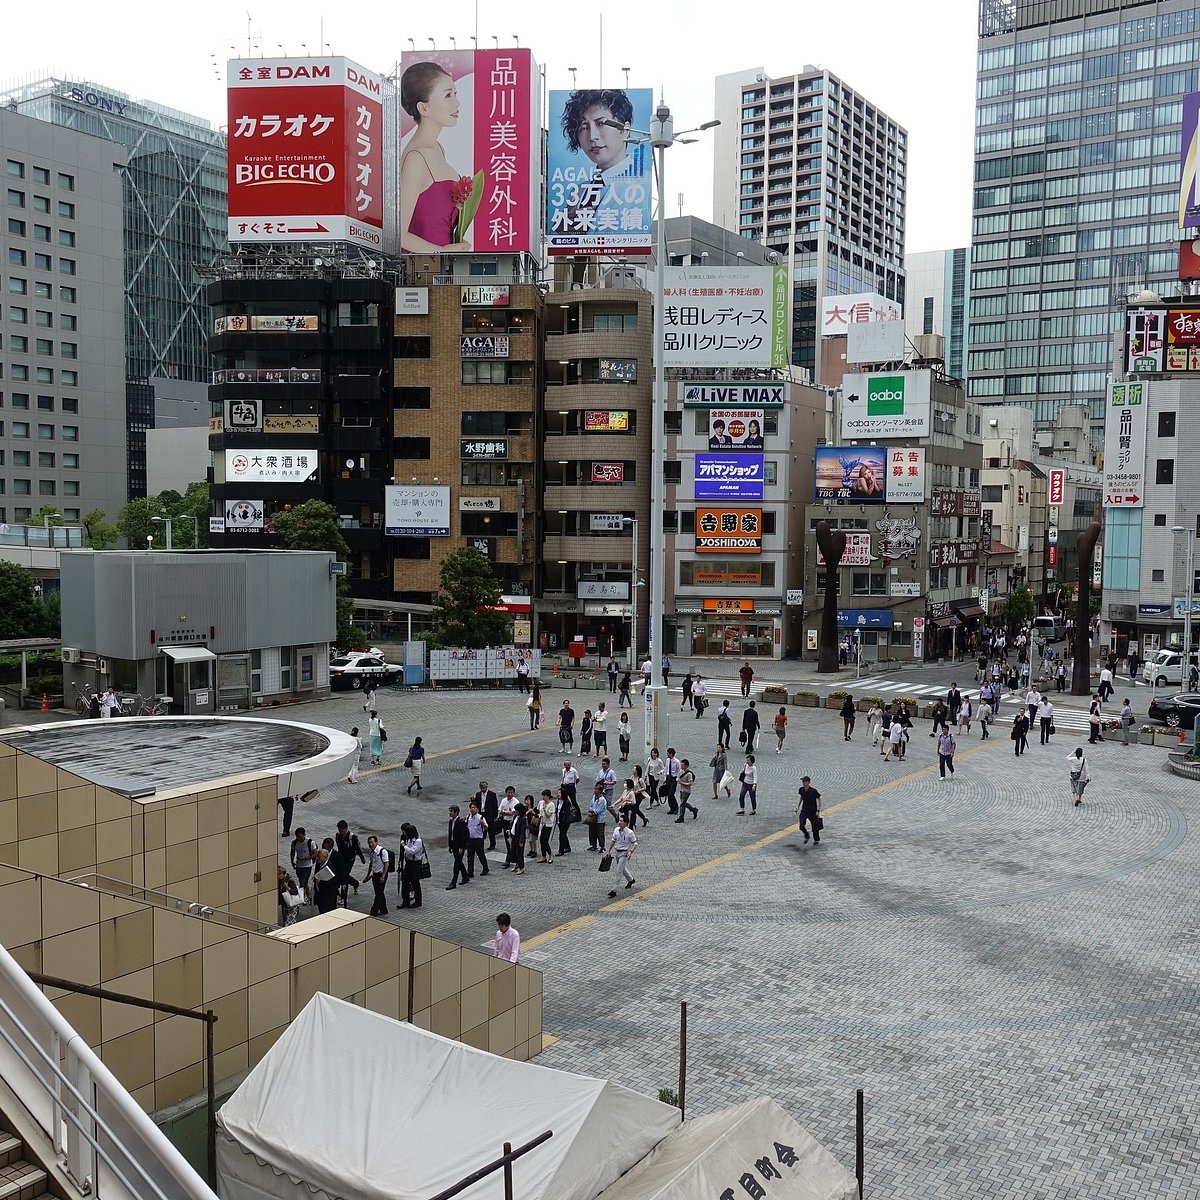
{"x": 176, "y": 456}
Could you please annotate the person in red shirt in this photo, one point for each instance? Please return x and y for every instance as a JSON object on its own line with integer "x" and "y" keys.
{"x": 746, "y": 674}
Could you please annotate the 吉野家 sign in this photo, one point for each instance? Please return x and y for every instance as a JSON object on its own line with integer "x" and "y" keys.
{"x": 608, "y": 472}
{"x": 416, "y": 511}
{"x": 886, "y": 406}
{"x": 485, "y": 295}
{"x": 606, "y": 421}
{"x": 853, "y": 473}
{"x": 906, "y": 475}
{"x": 270, "y": 466}
{"x": 732, "y": 317}
{"x": 305, "y": 151}
{"x": 735, "y": 428}
{"x": 598, "y": 187}
{"x": 476, "y": 112}
{"x": 729, "y": 477}
{"x": 729, "y": 530}
{"x": 483, "y": 448}
{"x": 484, "y": 345}
{"x": 1125, "y": 446}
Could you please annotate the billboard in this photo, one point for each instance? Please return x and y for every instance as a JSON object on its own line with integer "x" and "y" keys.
{"x": 758, "y": 395}
{"x": 416, "y": 511}
{"x": 270, "y": 466}
{"x": 598, "y": 185}
{"x": 1056, "y": 486}
{"x": 1189, "y": 161}
{"x": 734, "y": 317}
{"x": 244, "y": 516}
{"x": 906, "y": 476}
{"x": 1125, "y": 446}
{"x": 483, "y": 345}
{"x": 729, "y": 477}
{"x": 608, "y": 472}
{"x": 729, "y": 530}
{"x": 886, "y": 405}
{"x": 606, "y": 421}
{"x": 874, "y": 341}
{"x": 483, "y": 448}
{"x": 840, "y": 312}
{"x": 738, "y": 429}
{"x": 470, "y": 152}
{"x": 858, "y": 551}
{"x": 1145, "y": 334}
{"x": 305, "y": 151}
{"x": 857, "y": 473}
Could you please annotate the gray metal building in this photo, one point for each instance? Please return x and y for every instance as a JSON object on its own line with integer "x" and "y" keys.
{"x": 62, "y": 395}
{"x": 216, "y": 630}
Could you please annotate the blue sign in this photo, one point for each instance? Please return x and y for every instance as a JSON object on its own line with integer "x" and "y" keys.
{"x": 729, "y": 476}
{"x": 1154, "y": 610}
{"x": 865, "y": 618}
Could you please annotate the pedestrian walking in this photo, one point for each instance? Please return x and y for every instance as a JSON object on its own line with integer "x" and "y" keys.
{"x": 606, "y": 777}
{"x": 749, "y": 778}
{"x": 379, "y": 867}
{"x": 1032, "y": 701}
{"x": 1060, "y": 675}
{"x": 905, "y": 722}
{"x": 886, "y": 719}
{"x": 946, "y": 747}
{"x": 640, "y": 793}
{"x": 746, "y": 675}
{"x": 290, "y": 898}
{"x": 724, "y": 724}
{"x": 534, "y": 704}
{"x": 780, "y": 729}
{"x": 1133, "y": 661}
{"x": 624, "y": 735}
{"x": 986, "y": 716}
{"x": 953, "y": 702}
{"x": 352, "y": 777}
{"x": 1106, "y": 684}
{"x": 627, "y": 802}
{"x": 507, "y": 945}
{"x": 647, "y": 674}
{"x": 523, "y": 675}
{"x": 808, "y": 810}
{"x": 413, "y": 866}
{"x": 568, "y": 814}
{"x": 349, "y": 850}
{"x": 623, "y": 697}
{"x": 613, "y": 672}
{"x": 1020, "y": 732}
{"x": 376, "y": 735}
{"x": 596, "y": 815}
{"x": 686, "y": 688}
{"x": 670, "y": 783}
{"x": 547, "y": 815}
{"x": 600, "y": 730}
{"x": 302, "y": 854}
{"x": 1080, "y": 775}
{"x": 324, "y": 883}
{"x": 750, "y": 726}
{"x": 720, "y": 769}
{"x": 848, "y": 717}
{"x": 1126, "y": 721}
{"x": 687, "y": 781}
{"x": 458, "y": 842}
{"x": 566, "y": 726}
{"x": 585, "y": 733}
{"x": 489, "y": 807}
{"x": 414, "y": 760}
{"x": 699, "y": 696}
{"x": 874, "y": 714}
{"x": 1045, "y": 712}
{"x": 1095, "y": 719}
{"x": 666, "y": 672}
{"x": 477, "y": 828}
{"x": 895, "y": 743}
{"x": 656, "y": 772}
{"x": 622, "y": 847}
{"x": 965, "y": 713}
{"x": 941, "y": 714}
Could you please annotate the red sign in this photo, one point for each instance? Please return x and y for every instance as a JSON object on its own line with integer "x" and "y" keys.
{"x": 1057, "y": 486}
{"x": 305, "y": 151}
{"x": 1183, "y": 326}
{"x": 608, "y": 472}
{"x": 1052, "y": 556}
{"x": 1189, "y": 260}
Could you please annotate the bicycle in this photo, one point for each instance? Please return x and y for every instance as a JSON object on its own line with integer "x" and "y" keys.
{"x": 83, "y": 699}
{"x": 134, "y": 704}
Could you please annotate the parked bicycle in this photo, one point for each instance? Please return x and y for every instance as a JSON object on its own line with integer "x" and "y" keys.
{"x": 83, "y": 699}
{"x": 134, "y": 704}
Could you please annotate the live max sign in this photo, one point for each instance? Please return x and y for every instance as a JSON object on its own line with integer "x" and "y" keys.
{"x": 1057, "y": 486}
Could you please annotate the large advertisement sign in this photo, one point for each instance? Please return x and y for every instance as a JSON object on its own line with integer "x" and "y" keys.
{"x": 886, "y": 406}
{"x": 861, "y": 308}
{"x": 270, "y": 466}
{"x": 906, "y": 476}
{"x": 726, "y": 317}
{"x": 470, "y": 152}
{"x": 598, "y": 185}
{"x": 858, "y": 551}
{"x": 416, "y": 511}
{"x": 857, "y": 473}
{"x": 1189, "y": 155}
{"x": 244, "y": 516}
{"x": 735, "y": 429}
{"x": 1145, "y": 335}
{"x": 305, "y": 151}
{"x": 1125, "y": 446}
{"x": 729, "y": 476}
{"x": 605, "y": 421}
{"x": 729, "y": 530}
{"x": 757, "y": 395}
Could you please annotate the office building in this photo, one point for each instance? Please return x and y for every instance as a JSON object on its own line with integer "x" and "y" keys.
{"x": 810, "y": 168}
{"x": 937, "y": 290}
{"x": 62, "y": 395}
{"x": 1076, "y": 201}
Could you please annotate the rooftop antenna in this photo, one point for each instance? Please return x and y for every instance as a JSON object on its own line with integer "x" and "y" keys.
{"x": 574, "y": 81}
{"x": 433, "y": 43}
{"x": 454, "y": 43}
{"x": 413, "y": 45}
{"x": 496, "y": 40}
{"x": 248, "y": 36}
{"x": 516, "y": 41}
{"x": 626, "y": 70}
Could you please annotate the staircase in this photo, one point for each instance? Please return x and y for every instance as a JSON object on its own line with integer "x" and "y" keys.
{"x": 19, "y": 1179}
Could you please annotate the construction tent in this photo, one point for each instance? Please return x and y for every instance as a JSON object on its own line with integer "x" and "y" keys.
{"x": 352, "y": 1105}
{"x": 754, "y": 1149}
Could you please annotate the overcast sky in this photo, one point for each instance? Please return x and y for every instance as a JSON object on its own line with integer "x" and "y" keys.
{"x": 915, "y": 60}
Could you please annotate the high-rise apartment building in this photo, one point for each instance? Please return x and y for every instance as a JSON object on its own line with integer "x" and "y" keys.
{"x": 937, "y": 287}
{"x": 1076, "y": 188}
{"x": 62, "y": 391}
{"x": 813, "y": 170}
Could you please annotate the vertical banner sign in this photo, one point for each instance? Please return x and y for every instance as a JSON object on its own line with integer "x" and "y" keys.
{"x": 305, "y": 151}
{"x": 1125, "y": 446}
{"x": 733, "y": 317}
{"x": 470, "y": 152}
{"x": 1057, "y": 485}
{"x": 906, "y": 475}
{"x": 1189, "y": 150}
{"x": 598, "y": 185}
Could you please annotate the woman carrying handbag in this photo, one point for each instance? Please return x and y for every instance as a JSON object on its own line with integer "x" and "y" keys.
{"x": 414, "y": 867}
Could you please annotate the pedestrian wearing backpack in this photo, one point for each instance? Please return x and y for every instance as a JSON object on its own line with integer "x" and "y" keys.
{"x": 946, "y": 747}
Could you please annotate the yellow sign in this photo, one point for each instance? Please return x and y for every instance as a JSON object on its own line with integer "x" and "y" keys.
{"x": 216, "y": 425}
{"x": 282, "y": 424}
{"x": 729, "y": 606}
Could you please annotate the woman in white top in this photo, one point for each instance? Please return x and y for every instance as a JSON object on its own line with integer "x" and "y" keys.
{"x": 964, "y": 715}
{"x": 410, "y": 868}
{"x": 749, "y": 778}
{"x": 656, "y": 772}
{"x": 508, "y": 812}
{"x": 546, "y": 816}
{"x": 375, "y": 736}
{"x": 1080, "y": 775}
{"x": 369, "y": 697}
{"x": 874, "y": 723}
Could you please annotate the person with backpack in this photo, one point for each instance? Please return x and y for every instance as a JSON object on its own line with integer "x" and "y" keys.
{"x": 687, "y": 781}
{"x": 303, "y": 854}
{"x": 724, "y": 724}
{"x": 945, "y": 748}
{"x": 378, "y": 869}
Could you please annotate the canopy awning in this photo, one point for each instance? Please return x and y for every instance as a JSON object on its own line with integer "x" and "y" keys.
{"x": 188, "y": 653}
{"x": 969, "y": 610}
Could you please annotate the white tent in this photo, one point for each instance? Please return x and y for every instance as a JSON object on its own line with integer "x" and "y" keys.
{"x": 710, "y": 1156}
{"x": 356, "y": 1106}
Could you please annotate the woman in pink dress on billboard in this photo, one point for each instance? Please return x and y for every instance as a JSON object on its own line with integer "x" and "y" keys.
{"x": 428, "y": 213}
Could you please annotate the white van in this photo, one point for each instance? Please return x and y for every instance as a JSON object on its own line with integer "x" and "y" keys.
{"x": 1165, "y": 667}
{"x": 1047, "y": 629}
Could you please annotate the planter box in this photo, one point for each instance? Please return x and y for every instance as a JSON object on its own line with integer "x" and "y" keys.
{"x": 927, "y": 710}
{"x": 835, "y": 702}
{"x": 776, "y": 695}
{"x": 806, "y": 701}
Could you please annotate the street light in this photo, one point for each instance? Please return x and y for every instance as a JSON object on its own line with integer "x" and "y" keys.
{"x": 633, "y": 586}
{"x": 1190, "y": 585}
{"x": 163, "y": 521}
{"x": 660, "y": 135}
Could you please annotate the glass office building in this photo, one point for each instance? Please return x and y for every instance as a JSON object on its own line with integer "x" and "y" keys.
{"x": 1076, "y": 189}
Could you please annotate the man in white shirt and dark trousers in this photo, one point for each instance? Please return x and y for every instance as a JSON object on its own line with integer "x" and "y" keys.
{"x": 379, "y": 865}
{"x": 622, "y": 845}
{"x": 477, "y": 828}
{"x": 670, "y": 783}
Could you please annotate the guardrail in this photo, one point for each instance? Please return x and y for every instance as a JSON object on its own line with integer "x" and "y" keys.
{"x": 220, "y": 916}
{"x": 106, "y": 1145}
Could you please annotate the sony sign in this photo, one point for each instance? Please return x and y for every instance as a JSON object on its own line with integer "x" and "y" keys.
{"x": 95, "y": 100}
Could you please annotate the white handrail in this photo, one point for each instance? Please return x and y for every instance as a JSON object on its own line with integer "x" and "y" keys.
{"x": 105, "y": 1141}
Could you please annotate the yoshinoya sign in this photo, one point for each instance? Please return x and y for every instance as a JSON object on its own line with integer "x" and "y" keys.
{"x": 886, "y": 406}
{"x": 729, "y": 530}
{"x": 270, "y": 466}
{"x": 729, "y": 476}
{"x": 416, "y": 511}
{"x": 483, "y": 346}
{"x": 763, "y": 395}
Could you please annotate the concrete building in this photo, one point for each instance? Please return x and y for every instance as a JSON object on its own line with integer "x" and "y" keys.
{"x": 937, "y": 293}
{"x": 1076, "y": 188}
{"x": 62, "y": 428}
{"x": 810, "y": 168}
{"x": 214, "y": 630}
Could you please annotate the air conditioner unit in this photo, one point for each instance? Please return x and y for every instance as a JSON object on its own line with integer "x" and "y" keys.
{"x": 102, "y": 665}
{"x": 70, "y": 654}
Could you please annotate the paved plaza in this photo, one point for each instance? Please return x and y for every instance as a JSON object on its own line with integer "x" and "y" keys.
{"x": 1012, "y": 980}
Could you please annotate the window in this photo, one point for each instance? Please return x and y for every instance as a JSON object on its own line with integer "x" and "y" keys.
{"x": 44, "y": 345}
{"x": 45, "y": 403}
{"x": 410, "y": 447}
{"x": 672, "y": 472}
{"x": 1157, "y": 575}
{"x": 21, "y": 487}
{"x": 15, "y": 169}
{"x": 66, "y": 182}
{"x": 485, "y": 371}
{"x": 70, "y": 433}
{"x": 411, "y": 397}
{"x": 43, "y": 291}
{"x": 71, "y": 487}
{"x": 20, "y": 458}
{"x": 16, "y": 257}
{"x": 20, "y": 400}
{"x": 16, "y": 228}
{"x": 20, "y": 371}
{"x": 489, "y": 474}
{"x": 256, "y": 672}
{"x": 45, "y": 458}
{"x": 66, "y": 266}
{"x": 489, "y": 423}
{"x": 70, "y": 379}
{"x": 46, "y": 487}
{"x": 43, "y": 262}
{"x": 411, "y": 548}
{"x": 41, "y": 204}
{"x": 69, "y": 349}
{"x": 1160, "y": 518}
{"x": 66, "y": 209}
{"x": 15, "y": 198}
{"x": 1164, "y": 470}
{"x": 70, "y": 462}
{"x": 43, "y": 318}
{"x": 1166, "y": 424}
{"x": 410, "y": 347}
{"x": 19, "y": 316}
{"x": 67, "y": 238}
{"x": 67, "y": 295}
{"x": 18, "y": 343}
{"x": 285, "y": 668}
{"x": 356, "y": 312}
{"x": 41, "y": 233}
{"x": 46, "y": 432}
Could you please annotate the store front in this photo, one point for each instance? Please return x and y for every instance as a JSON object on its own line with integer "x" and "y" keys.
{"x": 729, "y": 628}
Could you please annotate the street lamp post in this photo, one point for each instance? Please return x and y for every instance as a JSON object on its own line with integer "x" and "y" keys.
{"x": 660, "y": 135}
{"x": 633, "y": 587}
{"x": 1189, "y": 588}
{"x": 163, "y": 521}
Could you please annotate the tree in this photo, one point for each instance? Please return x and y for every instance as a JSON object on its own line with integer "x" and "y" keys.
{"x": 20, "y": 614}
{"x": 468, "y": 591}
{"x": 195, "y": 503}
{"x": 312, "y": 525}
{"x": 1019, "y": 608}
{"x": 134, "y": 524}
{"x": 48, "y": 512}
{"x": 101, "y": 532}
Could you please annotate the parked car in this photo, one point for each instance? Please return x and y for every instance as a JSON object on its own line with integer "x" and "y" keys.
{"x": 1165, "y": 667}
{"x": 1179, "y": 711}
{"x": 1048, "y": 629}
{"x": 359, "y": 668}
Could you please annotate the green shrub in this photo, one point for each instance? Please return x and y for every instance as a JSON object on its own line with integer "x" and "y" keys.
{"x": 52, "y": 685}
{"x": 840, "y": 694}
